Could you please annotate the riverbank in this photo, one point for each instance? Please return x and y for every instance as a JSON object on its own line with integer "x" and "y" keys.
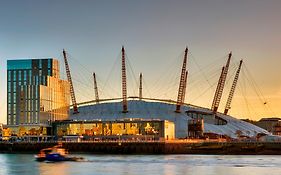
{"x": 151, "y": 147}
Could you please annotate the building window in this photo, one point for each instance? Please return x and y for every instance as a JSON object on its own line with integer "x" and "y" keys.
{"x": 40, "y": 64}
{"x": 24, "y": 75}
{"x": 9, "y": 119}
{"x": 36, "y": 92}
{"x": 49, "y": 64}
{"x": 29, "y": 92}
{"x": 19, "y": 75}
{"x": 9, "y": 75}
{"x": 37, "y": 80}
{"x": 15, "y": 76}
{"x": 9, "y": 110}
{"x": 30, "y": 76}
{"x": 9, "y": 97}
{"x": 15, "y": 87}
{"x": 15, "y": 98}
{"x": 9, "y": 86}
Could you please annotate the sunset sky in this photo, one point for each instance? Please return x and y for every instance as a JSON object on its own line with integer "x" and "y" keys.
{"x": 154, "y": 34}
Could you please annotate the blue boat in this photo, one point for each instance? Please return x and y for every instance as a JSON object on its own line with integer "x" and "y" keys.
{"x": 55, "y": 157}
{"x": 55, "y": 154}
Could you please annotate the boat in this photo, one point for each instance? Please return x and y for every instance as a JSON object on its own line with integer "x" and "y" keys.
{"x": 55, "y": 154}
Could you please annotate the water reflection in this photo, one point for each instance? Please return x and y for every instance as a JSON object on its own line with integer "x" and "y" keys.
{"x": 58, "y": 168}
{"x": 3, "y": 163}
{"x": 144, "y": 164}
{"x": 17, "y": 164}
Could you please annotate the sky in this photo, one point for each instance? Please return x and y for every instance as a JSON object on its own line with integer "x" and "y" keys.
{"x": 154, "y": 34}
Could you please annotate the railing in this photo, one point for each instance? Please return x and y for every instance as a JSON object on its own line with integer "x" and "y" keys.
{"x": 179, "y": 141}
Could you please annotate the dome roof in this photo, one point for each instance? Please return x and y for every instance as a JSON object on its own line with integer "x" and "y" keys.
{"x": 165, "y": 111}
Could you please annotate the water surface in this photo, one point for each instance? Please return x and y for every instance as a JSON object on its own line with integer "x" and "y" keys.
{"x": 144, "y": 164}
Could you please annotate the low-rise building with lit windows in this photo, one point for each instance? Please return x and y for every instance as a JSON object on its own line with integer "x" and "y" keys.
{"x": 128, "y": 129}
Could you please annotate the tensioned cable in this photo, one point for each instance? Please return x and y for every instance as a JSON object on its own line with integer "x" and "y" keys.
{"x": 171, "y": 66}
{"x": 112, "y": 69}
{"x": 257, "y": 90}
{"x": 131, "y": 70}
{"x": 171, "y": 78}
{"x": 86, "y": 80}
{"x": 145, "y": 87}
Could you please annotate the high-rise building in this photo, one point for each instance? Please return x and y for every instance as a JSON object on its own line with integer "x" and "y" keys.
{"x": 35, "y": 92}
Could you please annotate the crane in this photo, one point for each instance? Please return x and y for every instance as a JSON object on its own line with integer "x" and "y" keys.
{"x": 124, "y": 82}
{"x": 73, "y": 99}
{"x": 96, "y": 88}
{"x": 181, "y": 92}
{"x": 231, "y": 93}
{"x": 220, "y": 86}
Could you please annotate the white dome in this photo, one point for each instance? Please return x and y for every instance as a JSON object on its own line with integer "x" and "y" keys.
{"x": 164, "y": 111}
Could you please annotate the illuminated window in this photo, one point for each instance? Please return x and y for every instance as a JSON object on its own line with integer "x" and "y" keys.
{"x": 30, "y": 76}
{"x": 19, "y": 75}
{"x": 9, "y": 97}
{"x": 40, "y": 64}
{"x": 24, "y": 75}
{"x": 15, "y": 75}
{"x": 49, "y": 63}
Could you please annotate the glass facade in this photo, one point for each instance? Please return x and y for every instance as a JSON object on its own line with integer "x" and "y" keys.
{"x": 30, "y": 84}
{"x": 27, "y": 130}
{"x": 128, "y": 129}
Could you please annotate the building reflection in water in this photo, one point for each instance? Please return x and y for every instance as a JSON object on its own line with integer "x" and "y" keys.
{"x": 61, "y": 168}
{"x": 3, "y": 164}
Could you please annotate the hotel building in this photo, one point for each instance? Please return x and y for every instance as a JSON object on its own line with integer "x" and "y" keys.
{"x": 35, "y": 93}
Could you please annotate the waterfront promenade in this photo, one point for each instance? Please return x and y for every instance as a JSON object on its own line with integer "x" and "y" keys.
{"x": 148, "y": 147}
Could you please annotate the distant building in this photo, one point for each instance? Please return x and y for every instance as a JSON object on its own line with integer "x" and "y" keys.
{"x": 35, "y": 92}
{"x": 272, "y": 125}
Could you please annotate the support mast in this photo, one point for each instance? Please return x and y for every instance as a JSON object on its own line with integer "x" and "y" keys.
{"x": 185, "y": 84}
{"x": 73, "y": 99}
{"x": 96, "y": 88}
{"x": 220, "y": 86}
{"x": 140, "y": 88}
{"x": 124, "y": 83}
{"x": 231, "y": 93}
{"x": 182, "y": 81}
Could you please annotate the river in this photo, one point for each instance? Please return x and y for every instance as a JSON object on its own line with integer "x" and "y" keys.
{"x": 144, "y": 164}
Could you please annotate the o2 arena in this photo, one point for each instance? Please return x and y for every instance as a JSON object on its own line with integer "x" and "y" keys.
{"x": 182, "y": 114}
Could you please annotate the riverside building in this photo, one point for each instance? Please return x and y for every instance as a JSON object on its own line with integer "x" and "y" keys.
{"x": 35, "y": 93}
{"x": 125, "y": 129}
